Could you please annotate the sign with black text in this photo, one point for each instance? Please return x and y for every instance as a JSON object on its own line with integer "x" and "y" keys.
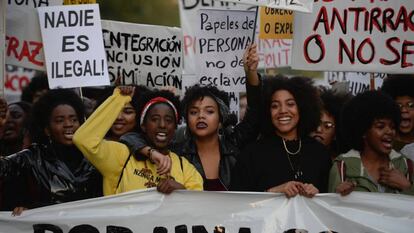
{"x": 222, "y": 39}
{"x": 149, "y": 55}
{"x": 74, "y": 51}
{"x": 348, "y": 35}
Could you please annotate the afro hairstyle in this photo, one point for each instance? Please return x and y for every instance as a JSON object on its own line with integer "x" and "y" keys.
{"x": 360, "y": 113}
{"x": 306, "y": 97}
{"x": 399, "y": 85}
{"x": 43, "y": 108}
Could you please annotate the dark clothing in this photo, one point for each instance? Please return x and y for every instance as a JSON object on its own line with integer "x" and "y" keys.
{"x": 232, "y": 140}
{"x": 59, "y": 174}
{"x": 265, "y": 164}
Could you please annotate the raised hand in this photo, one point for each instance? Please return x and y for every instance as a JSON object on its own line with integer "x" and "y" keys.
{"x": 394, "y": 178}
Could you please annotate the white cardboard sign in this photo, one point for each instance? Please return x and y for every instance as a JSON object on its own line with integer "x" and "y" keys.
{"x": 347, "y": 35}
{"x": 222, "y": 39}
{"x": 74, "y": 51}
{"x": 143, "y": 54}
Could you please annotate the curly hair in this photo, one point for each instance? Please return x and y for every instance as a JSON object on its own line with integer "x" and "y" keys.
{"x": 151, "y": 94}
{"x": 306, "y": 97}
{"x": 360, "y": 112}
{"x": 333, "y": 103}
{"x": 37, "y": 83}
{"x": 198, "y": 92}
{"x": 399, "y": 85}
{"x": 43, "y": 108}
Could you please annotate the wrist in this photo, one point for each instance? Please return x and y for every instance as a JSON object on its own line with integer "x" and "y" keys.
{"x": 150, "y": 154}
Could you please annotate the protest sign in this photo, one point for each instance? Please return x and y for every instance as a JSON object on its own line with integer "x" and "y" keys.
{"x": 294, "y": 5}
{"x": 223, "y": 38}
{"x": 191, "y": 211}
{"x": 347, "y": 35}
{"x": 358, "y": 82}
{"x": 2, "y": 42}
{"x": 74, "y": 51}
{"x": 77, "y": 2}
{"x": 23, "y": 40}
{"x": 15, "y": 80}
{"x": 275, "y": 23}
{"x": 272, "y": 53}
{"x": 143, "y": 54}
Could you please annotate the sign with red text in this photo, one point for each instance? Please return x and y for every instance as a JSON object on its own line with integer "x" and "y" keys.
{"x": 272, "y": 52}
{"x": 294, "y": 5}
{"x": 223, "y": 39}
{"x": 15, "y": 80}
{"x": 347, "y": 35}
{"x": 149, "y": 55}
{"x": 23, "y": 39}
{"x": 275, "y": 23}
{"x": 147, "y": 211}
{"x": 74, "y": 49}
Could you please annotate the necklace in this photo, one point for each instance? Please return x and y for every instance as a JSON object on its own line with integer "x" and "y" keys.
{"x": 289, "y": 152}
{"x": 297, "y": 172}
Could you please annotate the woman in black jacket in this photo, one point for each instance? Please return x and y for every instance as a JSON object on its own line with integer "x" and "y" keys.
{"x": 58, "y": 170}
{"x": 206, "y": 109}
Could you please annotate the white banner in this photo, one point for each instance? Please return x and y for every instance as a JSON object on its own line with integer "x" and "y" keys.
{"x": 294, "y": 5}
{"x": 74, "y": 51}
{"x": 143, "y": 54}
{"x": 272, "y": 53}
{"x": 23, "y": 40}
{"x": 223, "y": 36}
{"x": 347, "y": 35}
{"x": 190, "y": 211}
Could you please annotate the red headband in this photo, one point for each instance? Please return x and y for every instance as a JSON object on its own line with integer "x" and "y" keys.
{"x": 156, "y": 100}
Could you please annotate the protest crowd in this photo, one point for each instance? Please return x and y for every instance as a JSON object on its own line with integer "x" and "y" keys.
{"x": 292, "y": 136}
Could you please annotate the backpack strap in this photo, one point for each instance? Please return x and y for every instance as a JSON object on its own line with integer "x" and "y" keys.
{"x": 342, "y": 169}
{"x": 122, "y": 172}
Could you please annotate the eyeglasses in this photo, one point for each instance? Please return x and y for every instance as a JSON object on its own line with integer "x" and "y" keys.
{"x": 408, "y": 106}
{"x": 327, "y": 125}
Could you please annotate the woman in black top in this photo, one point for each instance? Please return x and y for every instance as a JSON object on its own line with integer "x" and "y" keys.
{"x": 57, "y": 169}
{"x": 286, "y": 159}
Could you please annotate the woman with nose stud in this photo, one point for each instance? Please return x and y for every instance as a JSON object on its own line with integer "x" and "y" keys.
{"x": 121, "y": 170}
{"x": 370, "y": 121}
{"x": 285, "y": 160}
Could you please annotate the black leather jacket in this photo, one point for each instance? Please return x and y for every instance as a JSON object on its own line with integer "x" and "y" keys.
{"x": 231, "y": 142}
{"x": 57, "y": 177}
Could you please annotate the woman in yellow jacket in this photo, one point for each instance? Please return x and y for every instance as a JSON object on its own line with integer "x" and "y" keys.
{"x": 123, "y": 172}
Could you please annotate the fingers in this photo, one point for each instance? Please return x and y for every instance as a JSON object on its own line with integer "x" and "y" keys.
{"x": 292, "y": 188}
{"x": 345, "y": 188}
{"x": 127, "y": 90}
{"x": 309, "y": 190}
{"x": 165, "y": 166}
{"x": 251, "y": 58}
{"x": 18, "y": 211}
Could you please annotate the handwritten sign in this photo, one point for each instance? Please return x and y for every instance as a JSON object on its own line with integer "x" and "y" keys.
{"x": 294, "y": 5}
{"x": 346, "y": 35}
{"x": 275, "y": 23}
{"x": 24, "y": 45}
{"x": 222, "y": 39}
{"x": 75, "y": 56}
{"x": 143, "y": 54}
